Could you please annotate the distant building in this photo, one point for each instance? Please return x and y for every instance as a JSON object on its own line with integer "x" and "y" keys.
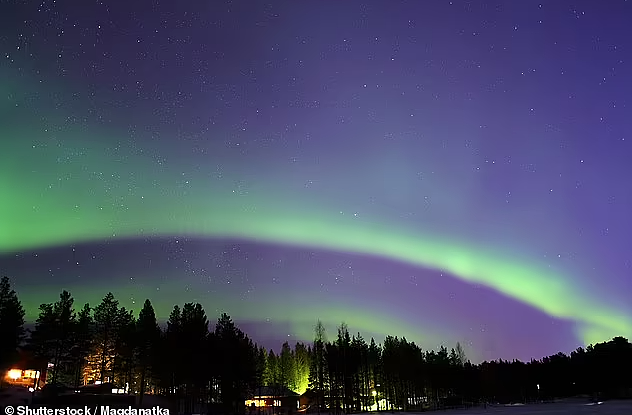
{"x": 307, "y": 400}
{"x": 268, "y": 399}
{"x": 99, "y": 388}
{"x": 104, "y": 394}
{"x": 28, "y": 372}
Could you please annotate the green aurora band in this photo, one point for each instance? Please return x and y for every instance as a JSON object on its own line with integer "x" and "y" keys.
{"x": 301, "y": 320}
{"x": 66, "y": 192}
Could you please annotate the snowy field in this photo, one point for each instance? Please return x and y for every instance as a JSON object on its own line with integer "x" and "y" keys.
{"x": 562, "y": 408}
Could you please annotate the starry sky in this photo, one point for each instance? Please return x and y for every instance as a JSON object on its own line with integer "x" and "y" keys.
{"x": 448, "y": 171}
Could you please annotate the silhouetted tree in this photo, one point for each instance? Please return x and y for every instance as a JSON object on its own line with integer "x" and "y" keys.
{"x": 301, "y": 366}
{"x": 11, "y": 325}
{"x": 375, "y": 369}
{"x": 54, "y": 337}
{"x": 287, "y": 368}
{"x": 345, "y": 368}
{"x": 147, "y": 342}
{"x": 271, "y": 373}
{"x": 261, "y": 369}
{"x": 318, "y": 365}
{"x": 124, "y": 349}
{"x": 172, "y": 354}
{"x": 237, "y": 365}
{"x": 192, "y": 344}
{"x": 106, "y": 332}
{"x": 82, "y": 343}
{"x": 225, "y": 366}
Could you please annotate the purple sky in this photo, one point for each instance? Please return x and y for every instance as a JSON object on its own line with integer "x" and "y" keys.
{"x": 482, "y": 148}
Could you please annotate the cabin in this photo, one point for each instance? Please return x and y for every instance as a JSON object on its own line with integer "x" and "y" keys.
{"x": 307, "y": 400}
{"x": 267, "y": 399}
{"x": 99, "y": 388}
{"x": 104, "y": 394}
{"x": 27, "y": 372}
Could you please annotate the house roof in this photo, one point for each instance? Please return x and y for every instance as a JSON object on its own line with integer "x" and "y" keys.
{"x": 279, "y": 392}
{"x": 309, "y": 394}
{"x": 28, "y": 361}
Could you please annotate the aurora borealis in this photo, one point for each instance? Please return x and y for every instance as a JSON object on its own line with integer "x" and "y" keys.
{"x": 444, "y": 171}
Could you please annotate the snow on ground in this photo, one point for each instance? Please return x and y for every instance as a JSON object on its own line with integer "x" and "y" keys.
{"x": 14, "y": 396}
{"x": 562, "y": 408}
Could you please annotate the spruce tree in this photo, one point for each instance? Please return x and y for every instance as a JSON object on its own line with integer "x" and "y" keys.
{"x": 82, "y": 344}
{"x": 106, "y": 331}
{"x": 147, "y": 340}
{"x": 53, "y": 338}
{"x": 11, "y": 325}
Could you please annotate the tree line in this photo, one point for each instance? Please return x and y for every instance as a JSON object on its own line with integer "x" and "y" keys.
{"x": 221, "y": 366}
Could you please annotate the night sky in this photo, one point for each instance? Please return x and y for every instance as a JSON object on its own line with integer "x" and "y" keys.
{"x": 441, "y": 170}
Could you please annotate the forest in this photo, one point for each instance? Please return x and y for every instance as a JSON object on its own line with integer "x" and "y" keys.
{"x": 191, "y": 360}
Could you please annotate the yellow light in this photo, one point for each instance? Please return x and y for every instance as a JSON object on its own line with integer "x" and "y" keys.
{"x": 374, "y": 393}
{"x": 256, "y": 402}
{"x": 15, "y": 374}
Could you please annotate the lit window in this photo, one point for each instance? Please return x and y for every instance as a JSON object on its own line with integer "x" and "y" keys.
{"x": 14, "y": 374}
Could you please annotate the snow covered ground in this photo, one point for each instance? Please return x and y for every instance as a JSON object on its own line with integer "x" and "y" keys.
{"x": 14, "y": 396}
{"x": 562, "y": 408}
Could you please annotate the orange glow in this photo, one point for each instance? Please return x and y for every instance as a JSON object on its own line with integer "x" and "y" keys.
{"x": 14, "y": 374}
{"x": 263, "y": 401}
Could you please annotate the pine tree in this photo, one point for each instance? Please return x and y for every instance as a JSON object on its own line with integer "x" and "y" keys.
{"x": 286, "y": 368}
{"x": 375, "y": 367}
{"x": 318, "y": 369}
{"x": 172, "y": 352}
{"x": 43, "y": 338}
{"x": 262, "y": 360}
{"x": 54, "y": 337}
{"x": 334, "y": 374}
{"x": 302, "y": 366}
{"x": 147, "y": 341}
{"x": 237, "y": 366}
{"x": 11, "y": 325}
{"x": 82, "y": 343}
{"x": 345, "y": 371}
{"x": 361, "y": 375}
{"x": 106, "y": 330}
{"x": 460, "y": 354}
{"x": 124, "y": 347}
{"x": 192, "y": 343}
{"x": 66, "y": 326}
{"x": 270, "y": 377}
